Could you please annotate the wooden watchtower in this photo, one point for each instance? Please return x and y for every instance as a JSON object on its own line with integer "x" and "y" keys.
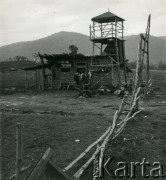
{"x": 107, "y": 36}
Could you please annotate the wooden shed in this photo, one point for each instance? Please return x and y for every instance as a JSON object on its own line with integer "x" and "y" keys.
{"x": 58, "y": 70}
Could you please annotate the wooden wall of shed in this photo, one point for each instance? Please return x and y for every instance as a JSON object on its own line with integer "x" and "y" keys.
{"x": 105, "y": 79}
{"x": 68, "y": 77}
{"x": 101, "y": 61}
{"x": 64, "y": 77}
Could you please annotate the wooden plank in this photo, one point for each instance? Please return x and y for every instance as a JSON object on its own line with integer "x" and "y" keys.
{"x": 47, "y": 169}
{"x": 41, "y": 165}
{"x": 56, "y": 173}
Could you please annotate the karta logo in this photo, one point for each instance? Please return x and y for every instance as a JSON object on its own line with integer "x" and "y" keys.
{"x": 123, "y": 169}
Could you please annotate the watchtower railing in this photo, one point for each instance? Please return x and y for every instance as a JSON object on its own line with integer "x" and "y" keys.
{"x": 106, "y": 30}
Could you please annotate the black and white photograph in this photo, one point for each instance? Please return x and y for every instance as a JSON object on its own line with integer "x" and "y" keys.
{"x": 82, "y": 89}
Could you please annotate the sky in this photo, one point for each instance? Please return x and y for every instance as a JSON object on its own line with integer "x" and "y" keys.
{"x": 26, "y": 20}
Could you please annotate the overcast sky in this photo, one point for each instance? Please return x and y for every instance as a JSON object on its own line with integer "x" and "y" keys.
{"x": 25, "y": 20}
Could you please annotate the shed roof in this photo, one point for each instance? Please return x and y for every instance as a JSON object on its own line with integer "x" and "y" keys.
{"x": 62, "y": 57}
{"x": 35, "y": 67}
{"x": 107, "y": 17}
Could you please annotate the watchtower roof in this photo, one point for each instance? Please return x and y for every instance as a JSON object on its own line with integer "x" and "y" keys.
{"x": 107, "y": 17}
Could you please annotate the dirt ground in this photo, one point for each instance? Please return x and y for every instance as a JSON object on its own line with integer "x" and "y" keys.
{"x": 144, "y": 136}
{"x": 56, "y": 119}
{"x": 67, "y": 124}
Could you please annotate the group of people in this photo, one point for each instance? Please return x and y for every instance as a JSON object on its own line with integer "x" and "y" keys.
{"x": 82, "y": 79}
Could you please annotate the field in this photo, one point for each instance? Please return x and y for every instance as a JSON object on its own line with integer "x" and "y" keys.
{"x": 67, "y": 124}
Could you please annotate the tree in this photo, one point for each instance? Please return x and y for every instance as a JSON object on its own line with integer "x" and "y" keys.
{"x": 20, "y": 58}
{"x": 73, "y": 49}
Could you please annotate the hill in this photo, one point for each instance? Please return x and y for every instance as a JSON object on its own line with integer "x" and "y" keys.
{"x": 53, "y": 44}
{"x": 59, "y": 42}
{"x": 162, "y": 37}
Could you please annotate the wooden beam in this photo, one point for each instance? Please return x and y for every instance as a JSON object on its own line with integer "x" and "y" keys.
{"x": 47, "y": 169}
{"x": 36, "y": 78}
{"x": 38, "y": 74}
{"x": 138, "y": 74}
{"x": 26, "y": 80}
{"x": 147, "y": 59}
{"x": 118, "y": 63}
{"x": 101, "y": 48}
{"x": 41, "y": 165}
{"x": 144, "y": 51}
{"x": 52, "y": 76}
{"x": 59, "y": 173}
{"x": 122, "y": 30}
{"x": 43, "y": 71}
{"x": 90, "y": 31}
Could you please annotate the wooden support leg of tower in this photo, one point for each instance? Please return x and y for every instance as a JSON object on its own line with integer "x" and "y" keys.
{"x": 118, "y": 63}
{"x": 125, "y": 75}
{"x": 112, "y": 74}
{"x": 119, "y": 76}
{"x": 93, "y": 53}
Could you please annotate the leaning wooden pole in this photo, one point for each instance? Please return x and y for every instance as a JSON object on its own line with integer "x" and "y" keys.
{"x": 147, "y": 59}
{"x": 138, "y": 75}
{"x": 106, "y": 140}
{"x": 88, "y": 149}
{"x": 19, "y": 145}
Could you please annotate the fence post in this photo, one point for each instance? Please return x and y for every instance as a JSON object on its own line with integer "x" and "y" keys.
{"x": 18, "y": 150}
{"x": 26, "y": 80}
